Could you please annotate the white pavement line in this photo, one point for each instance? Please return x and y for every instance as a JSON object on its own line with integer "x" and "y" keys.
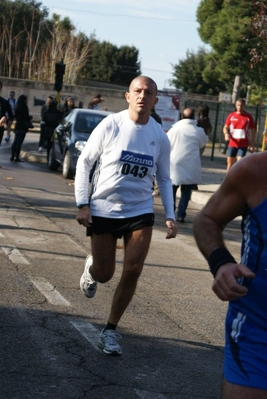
{"x": 47, "y": 289}
{"x": 148, "y": 395}
{"x": 14, "y": 254}
{"x": 88, "y": 331}
{"x": 2, "y": 235}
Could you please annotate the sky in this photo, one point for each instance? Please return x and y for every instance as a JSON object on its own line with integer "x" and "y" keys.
{"x": 162, "y": 31}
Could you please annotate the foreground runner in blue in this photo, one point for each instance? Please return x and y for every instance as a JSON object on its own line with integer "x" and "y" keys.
{"x": 244, "y": 284}
{"x": 130, "y": 149}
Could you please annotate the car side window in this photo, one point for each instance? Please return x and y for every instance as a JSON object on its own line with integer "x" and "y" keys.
{"x": 82, "y": 125}
{"x": 93, "y": 121}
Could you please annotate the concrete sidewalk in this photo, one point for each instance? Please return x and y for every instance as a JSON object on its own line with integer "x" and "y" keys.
{"x": 213, "y": 171}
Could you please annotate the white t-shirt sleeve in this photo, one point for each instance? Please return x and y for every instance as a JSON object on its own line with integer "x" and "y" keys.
{"x": 163, "y": 178}
{"x": 91, "y": 152}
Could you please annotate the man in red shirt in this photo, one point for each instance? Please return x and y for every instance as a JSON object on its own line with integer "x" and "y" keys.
{"x": 239, "y": 130}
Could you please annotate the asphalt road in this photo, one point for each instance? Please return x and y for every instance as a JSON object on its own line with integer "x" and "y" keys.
{"x": 173, "y": 330}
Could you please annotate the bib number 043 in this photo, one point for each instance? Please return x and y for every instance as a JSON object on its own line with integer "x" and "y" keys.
{"x": 136, "y": 170}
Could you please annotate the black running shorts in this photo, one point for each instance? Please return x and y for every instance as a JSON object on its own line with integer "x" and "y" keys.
{"x": 118, "y": 227}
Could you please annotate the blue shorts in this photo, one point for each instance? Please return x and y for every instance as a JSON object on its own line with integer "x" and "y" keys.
{"x": 245, "y": 358}
{"x": 236, "y": 152}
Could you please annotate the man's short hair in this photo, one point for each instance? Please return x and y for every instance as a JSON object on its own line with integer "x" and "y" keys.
{"x": 12, "y": 92}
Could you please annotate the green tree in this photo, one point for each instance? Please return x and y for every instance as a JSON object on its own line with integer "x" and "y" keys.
{"x": 224, "y": 25}
{"x": 31, "y": 43}
{"x": 258, "y": 52}
{"x": 21, "y": 27}
{"x": 109, "y": 63}
{"x": 188, "y": 74}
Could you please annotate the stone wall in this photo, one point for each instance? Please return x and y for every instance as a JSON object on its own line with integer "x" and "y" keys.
{"x": 37, "y": 92}
{"x": 114, "y": 95}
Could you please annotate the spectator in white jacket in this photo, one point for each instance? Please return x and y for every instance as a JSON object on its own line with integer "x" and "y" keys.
{"x": 186, "y": 140}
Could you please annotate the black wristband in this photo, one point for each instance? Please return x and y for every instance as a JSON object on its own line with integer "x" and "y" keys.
{"x": 219, "y": 257}
{"x": 81, "y": 206}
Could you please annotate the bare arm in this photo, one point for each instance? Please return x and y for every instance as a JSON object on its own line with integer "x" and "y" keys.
{"x": 84, "y": 216}
{"x": 172, "y": 228}
{"x": 2, "y": 121}
{"x": 226, "y": 133}
{"x": 252, "y": 140}
{"x": 230, "y": 201}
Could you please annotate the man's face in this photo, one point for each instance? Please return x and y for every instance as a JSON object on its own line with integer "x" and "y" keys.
{"x": 12, "y": 95}
{"x": 48, "y": 101}
{"x": 240, "y": 107}
{"x": 141, "y": 96}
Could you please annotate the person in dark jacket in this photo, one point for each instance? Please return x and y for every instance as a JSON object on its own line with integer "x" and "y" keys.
{"x": 52, "y": 118}
{"x": 4, "y": 109}
{"x": 23, "y": 123}
{"x": 156, "y": 116}
{"x": 203, "y": 121}
{"x": 68, "y": 106}
{"x": 42, "y": 124}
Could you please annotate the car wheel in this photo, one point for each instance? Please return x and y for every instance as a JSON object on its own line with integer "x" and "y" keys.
{"x": 52, "y": 163}
{"x": 66, "y": 170}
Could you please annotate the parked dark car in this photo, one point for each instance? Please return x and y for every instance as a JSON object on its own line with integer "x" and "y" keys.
{"x": 69, "y": 139}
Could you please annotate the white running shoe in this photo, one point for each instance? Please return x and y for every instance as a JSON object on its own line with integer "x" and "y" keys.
{"x": 87, "y": 284}
{"x": 107, "y": 342}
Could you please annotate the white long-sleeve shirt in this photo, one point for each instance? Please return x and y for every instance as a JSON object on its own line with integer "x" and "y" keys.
{"x": 128, "y": 156}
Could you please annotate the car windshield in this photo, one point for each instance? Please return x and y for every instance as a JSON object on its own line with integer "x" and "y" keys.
{"x": 87, "y": 123}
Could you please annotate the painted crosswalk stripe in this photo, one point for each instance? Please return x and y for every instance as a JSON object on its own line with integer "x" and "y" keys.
{"x": 88, "y": 331}
{"x": 49, "y": 291}
{"x": 14, "y": 254}
{"x": 148, "y": 395}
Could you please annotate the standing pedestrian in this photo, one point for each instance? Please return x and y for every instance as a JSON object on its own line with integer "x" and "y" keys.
{"x": 239, "y": 132}
{"x": 42, "y": 142}
{"x": 23, "y": 123}
{"x": 130, "y": 147}
{"x": 94, "y": 104}
{"x": 187, "y": 139}
{"x": 159, "y": 120}
{"x": 12, "y": 102}
{"x": 203, "y": 119}
{"x": 5, "y": 109}
{"x": 243, "y": 192}
{"x": 52, "y": 118}
{"x": 68, "y": 106}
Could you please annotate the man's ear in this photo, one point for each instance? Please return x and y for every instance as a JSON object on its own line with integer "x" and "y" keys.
{"x": 156, "y": 100}
{"x": 127, "y": 96}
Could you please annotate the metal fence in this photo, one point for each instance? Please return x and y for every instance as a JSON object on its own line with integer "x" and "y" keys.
{"x": 218, "y": 114}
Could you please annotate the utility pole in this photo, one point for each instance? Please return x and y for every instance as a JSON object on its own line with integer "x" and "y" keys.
{"x": 59, "y": 73}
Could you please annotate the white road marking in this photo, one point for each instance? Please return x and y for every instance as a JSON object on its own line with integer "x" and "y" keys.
{"x": 148, "y": 395}
{"x": 88, "y": 331}
{"x": 14, "y": 254}
{"x": 49, "y": 291}
{"x": 2, "y": 235}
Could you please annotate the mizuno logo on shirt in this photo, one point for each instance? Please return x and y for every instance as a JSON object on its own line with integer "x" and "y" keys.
{"x": 138, "y": 159}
